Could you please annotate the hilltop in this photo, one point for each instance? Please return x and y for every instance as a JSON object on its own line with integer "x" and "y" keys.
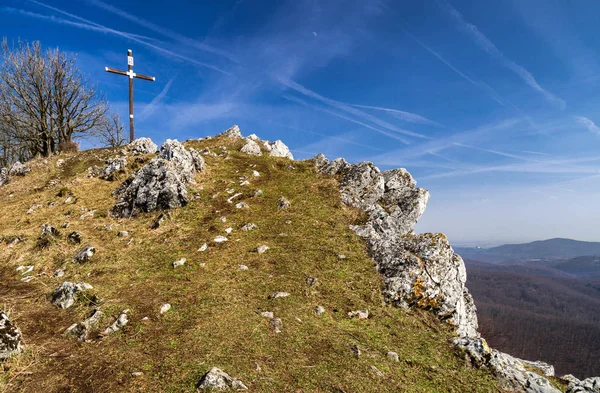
{"x": 124, "y": 270}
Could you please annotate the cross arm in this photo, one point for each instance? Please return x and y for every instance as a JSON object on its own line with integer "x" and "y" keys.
{"x": 107, "y": 69}
{"x": 145, "y": 77}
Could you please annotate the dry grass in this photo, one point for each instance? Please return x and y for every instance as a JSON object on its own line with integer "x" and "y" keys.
{"x": 215, "y": 319}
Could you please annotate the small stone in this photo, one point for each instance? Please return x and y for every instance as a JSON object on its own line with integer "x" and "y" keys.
{"x": 65, "y": 225}
{"x": 123, "y": 234}
{"x": 87, "y": 214}
{"x": 311, "y": 281}
{"x": 159, "y": 220}
{"x": 228, "y": 230}
{"x": 244, "y": 183}
{"x": 223, "y": 219}
{"x": 27, "y": 279}
{"x": 234, "y": 196}
{"x": 68, "y": 200}
{"x": 203, "y": 247}
{"x": 49, "y": 230}
{"x": 341, "y": 256}
{"x": 257, "y": 193}
{"x": 137, "y": 374}
{"x": 393, "y": 356}
{"x": 230, "y": 191}
{"x": 179, "y": 262}
{"x": 84, "y": 254}
{"x": 319, "y": 310}
{"x": 355, "y": 349}
{"x": 359, "y": 314}
{"x": 255, "y": 173}
{"x": 249, "y": 227}
{"x": 74, "y": 237}
{"x": 239, "y": 385}
{"x": 242, "y": 267}
{"x": 119, "y": 323}
{"x": 215, "y": 379}
{"x": 25, "y": 269}
{"x": 267, "y": 314}
{"x": 283, "y": 204}
{"x": 377, "y": 372}
{"x": 288, "y": 222}
{"x": 82, "y": 330}
{"x": 33, "y": 208}
{"x": 242, "y": 205}
{"x": 261, "y": 249}
{"x": 58, "y": 273}
{"x": 220, "y": 239}
{"x": 164, "y": 308}
{"x": 279, "y": 294}
{"x": 276, "y": 324}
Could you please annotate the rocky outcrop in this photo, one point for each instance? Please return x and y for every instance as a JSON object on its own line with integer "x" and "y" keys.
{"x": 511, "y": 372}
{"x": 113, "y": 167}
{"x": 142, "y": 146}
{"x": 10, "y": 338}
{"x": 233, "y": 132}
{"x": 423, "y": 271}
{"x": 589, "y": 385}
{"x": 160, "y": 184}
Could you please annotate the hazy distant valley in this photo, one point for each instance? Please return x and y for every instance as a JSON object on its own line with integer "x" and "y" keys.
{"x": 540, "y": 300}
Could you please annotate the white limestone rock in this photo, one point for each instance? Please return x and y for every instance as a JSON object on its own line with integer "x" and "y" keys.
{"x": 10, "y": 338}
{"x": 18, "y": 169}
{"x": 84, "y": 254}
{"x": 142, "y": 146}
{"x": 510, "y": 371}
{"x": 233, "y": 132}
{"x": 217, "y": 379}
{"x": 118, "y": 324}
{"x": 588, "y": 385}
{"x": 252, "y": 148}
{"x": 359, "y": 314}
{"x": 65, "y": 295}
{"x": 160, "y": 184}
{"x": 279, "y": 149}
{"x": 82, "y": 330}
{"x": 4, "y": 179}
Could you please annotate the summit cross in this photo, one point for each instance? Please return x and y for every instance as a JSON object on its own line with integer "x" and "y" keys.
{"x": 131, "y": 75}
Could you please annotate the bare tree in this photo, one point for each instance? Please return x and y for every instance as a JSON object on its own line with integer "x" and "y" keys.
{"x": 110, "y": 131}
{"x": 44, "y": 99}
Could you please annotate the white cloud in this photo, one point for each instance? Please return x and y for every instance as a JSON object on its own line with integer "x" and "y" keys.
{"x": 589, "y": 124}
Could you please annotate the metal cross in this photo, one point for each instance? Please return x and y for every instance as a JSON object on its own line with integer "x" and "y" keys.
{"x": 131, "y": 75}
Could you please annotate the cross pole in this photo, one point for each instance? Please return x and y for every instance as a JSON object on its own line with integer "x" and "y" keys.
{"x": 131, "y": 75}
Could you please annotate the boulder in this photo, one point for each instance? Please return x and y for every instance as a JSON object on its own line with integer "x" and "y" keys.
{"x": 3, "y": 176}
{"x": 142, "y": 146}
{"x": 217, "y": 379}
{"x": 510, "y": 371}
{"x": 423, "y": 271}
{"x": 84, "y": 254}
{"x": 251, "y": 147}
{"x": 18, "y": 169}
{"x": 65, "y": 295}
{"x": 279, "y": 149}
{"x": 160, "y": 184}
{"x": 233, "y": 132}
{"x": 10, "y": 338}
{"x": 81, "y": 330}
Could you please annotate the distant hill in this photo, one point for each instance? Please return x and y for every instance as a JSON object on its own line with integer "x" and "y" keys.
{"x": 582, "y": 267}
{"x": 535, "y": 313}
{"x": 552, "y": 249}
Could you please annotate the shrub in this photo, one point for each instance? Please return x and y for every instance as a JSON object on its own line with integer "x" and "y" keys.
{"x": 68, "y": 147}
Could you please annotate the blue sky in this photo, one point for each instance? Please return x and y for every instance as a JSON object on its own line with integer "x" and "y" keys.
{"x": 493, "y": 106}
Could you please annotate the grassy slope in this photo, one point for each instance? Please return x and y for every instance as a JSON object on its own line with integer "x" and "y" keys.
{"x": 215, "y": 319}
